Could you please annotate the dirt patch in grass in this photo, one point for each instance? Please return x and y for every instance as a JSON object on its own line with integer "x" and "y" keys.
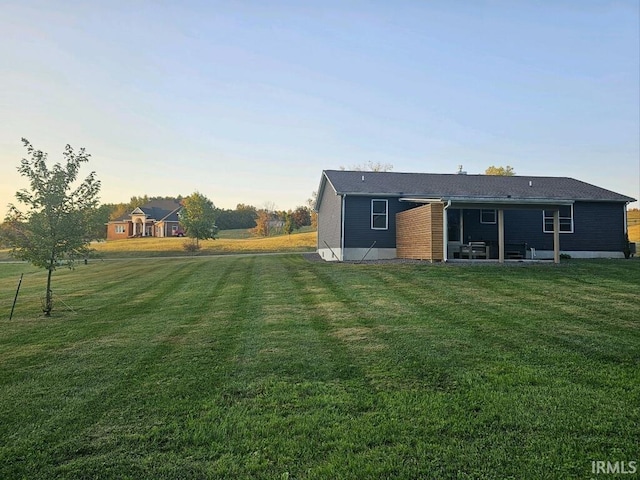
{"x": 352, "y": 334}
{"x": 363, "y": 337}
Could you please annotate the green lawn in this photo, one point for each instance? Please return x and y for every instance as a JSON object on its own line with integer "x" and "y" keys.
{"x": 276, "y": 367}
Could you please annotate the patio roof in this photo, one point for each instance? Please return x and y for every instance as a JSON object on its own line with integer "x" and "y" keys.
{"x": 494, "y": 203}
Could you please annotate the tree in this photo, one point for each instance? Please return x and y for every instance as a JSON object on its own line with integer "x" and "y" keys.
{"x": 289, "y": 223}
{"x": 371, "y": 167}
{"x": 301, "y": 217}
{"x": 311, "y": 202}
{"x": 59, "y": 221}
{"x": 242, "y": 217}
{"x": 96, "y": 222}
{"x": 500, "y": 171}
{"x": 5, "y": 233}
{"x": 198, "y": 217}
{"x": 118, "y": 210}
{"x": 263, "y": 221}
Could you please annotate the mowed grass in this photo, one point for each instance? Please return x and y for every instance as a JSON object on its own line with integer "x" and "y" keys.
{"x": 276, "y": 367}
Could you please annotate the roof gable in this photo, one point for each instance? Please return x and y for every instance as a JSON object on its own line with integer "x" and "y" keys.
{"x": 456, "y": 186}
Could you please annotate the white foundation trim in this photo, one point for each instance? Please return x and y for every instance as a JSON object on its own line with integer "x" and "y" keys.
{"x": 356, "y": 254}
{"x": 548, "y": 254}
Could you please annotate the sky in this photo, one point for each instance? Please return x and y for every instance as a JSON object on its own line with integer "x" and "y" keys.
{"x": 248, "y": 101}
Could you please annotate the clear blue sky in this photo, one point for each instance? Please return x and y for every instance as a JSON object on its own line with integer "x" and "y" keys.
{"x": 248, "y": 101}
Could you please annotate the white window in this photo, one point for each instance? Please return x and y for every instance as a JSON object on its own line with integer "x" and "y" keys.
{"x": 379, "y": 215}
{"x": 487, "y": 216}
{"x": 174, "y": 229}
{"x": 566, "y": 220}
{"x": 119, "y": 228}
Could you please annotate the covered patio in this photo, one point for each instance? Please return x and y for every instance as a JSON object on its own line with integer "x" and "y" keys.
{"x": 437, "y": 231}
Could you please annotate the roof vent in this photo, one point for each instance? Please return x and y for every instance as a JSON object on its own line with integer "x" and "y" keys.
{"x": 530, "y": 183}
{"x": 461, "y": 171}
{"x": 363, "y": 178}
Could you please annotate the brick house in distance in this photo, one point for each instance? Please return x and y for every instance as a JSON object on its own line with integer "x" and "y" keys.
{"x": 158, "y": 218}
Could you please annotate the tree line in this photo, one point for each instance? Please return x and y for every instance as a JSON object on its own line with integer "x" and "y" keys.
{"x": 264, "y": 221}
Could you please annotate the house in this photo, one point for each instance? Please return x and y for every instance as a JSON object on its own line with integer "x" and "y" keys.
{"x": 439, "y": 217}
{"x": 158, "y": 218}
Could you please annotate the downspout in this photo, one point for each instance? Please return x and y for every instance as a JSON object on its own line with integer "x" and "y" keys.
{"x": 626, "y": 224}
{"x": 344, "y": 197}
{"x": 445, "y": 232}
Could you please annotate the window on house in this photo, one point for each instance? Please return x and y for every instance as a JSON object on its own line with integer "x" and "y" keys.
{"x": 174, "y": 229}
{"x": 119, "y": 228}
{"x": 379, "y": 214}
{"x": 566, "y": 220}
{"x": 487, "y": 216}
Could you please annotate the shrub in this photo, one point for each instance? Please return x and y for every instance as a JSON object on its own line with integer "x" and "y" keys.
{"x": 626, "y": 249}
{"x": 191, "y": 247}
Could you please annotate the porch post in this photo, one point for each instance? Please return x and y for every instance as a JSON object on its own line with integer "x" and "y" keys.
{"x": 556, "y": 236}
{"x": 445, "y": 234}
{"x": 501, "y": 236}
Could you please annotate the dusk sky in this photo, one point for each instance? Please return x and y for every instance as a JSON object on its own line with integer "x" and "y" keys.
{"x": 248, "y": 101}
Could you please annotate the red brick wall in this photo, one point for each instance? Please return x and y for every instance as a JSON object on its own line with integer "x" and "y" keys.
{"x": 111, "y": 231}
{"x": 419, "y": 233}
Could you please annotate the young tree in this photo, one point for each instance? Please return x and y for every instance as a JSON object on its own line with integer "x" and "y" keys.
{"x": 289, "y": 223}
{"x": 59, "y": 221}
{"x": 198, "y": 217}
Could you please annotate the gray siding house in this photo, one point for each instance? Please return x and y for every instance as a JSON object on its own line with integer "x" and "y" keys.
{"x": 493, "y": 216}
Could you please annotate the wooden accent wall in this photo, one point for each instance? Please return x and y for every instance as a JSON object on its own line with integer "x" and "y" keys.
{"x": 419, "y": 233}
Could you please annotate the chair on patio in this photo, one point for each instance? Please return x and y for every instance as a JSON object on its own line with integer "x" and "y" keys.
{"x": 474, "y": 250}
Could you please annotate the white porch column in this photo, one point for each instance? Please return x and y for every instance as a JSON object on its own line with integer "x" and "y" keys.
{"x": 556, "y": 236}
{"x": 501, "y": 236}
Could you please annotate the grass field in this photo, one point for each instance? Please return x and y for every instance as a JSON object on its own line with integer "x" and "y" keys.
{"x": 275, "y": 367}
{"x": 633, "y": 223}
{"x": 234, "y": 241}
{"x": 229, "y": 241}
{"x": 634, "y": 226}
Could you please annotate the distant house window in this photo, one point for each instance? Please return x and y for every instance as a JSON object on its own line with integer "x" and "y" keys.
{"x": 379, "y": 215}
{"x": 174, "y": 229}
{"x": 119, "y": 228}
{"x": 487, "y": 216}
{"x": 566, "y": 220}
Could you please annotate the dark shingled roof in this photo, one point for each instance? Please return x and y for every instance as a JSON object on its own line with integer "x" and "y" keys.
{"x": 452, "y": 186}
{"x": 158, "y": 210}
